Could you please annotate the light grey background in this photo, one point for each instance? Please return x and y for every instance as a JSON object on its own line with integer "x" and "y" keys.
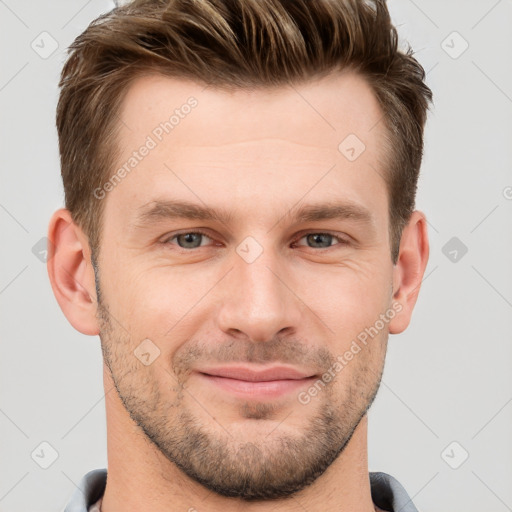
{"x": 448, "y": 377}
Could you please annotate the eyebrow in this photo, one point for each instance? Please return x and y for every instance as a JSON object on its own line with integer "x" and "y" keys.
{"x": 159, "y": 210}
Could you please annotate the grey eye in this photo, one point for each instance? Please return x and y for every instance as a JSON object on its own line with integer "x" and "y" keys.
{"x": 189, "y": 240}
{"x": 319, "y": 240}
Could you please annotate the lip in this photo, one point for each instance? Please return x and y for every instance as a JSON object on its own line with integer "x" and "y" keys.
{"x": 245, "y": 382}
{"x": 249, "y": 374}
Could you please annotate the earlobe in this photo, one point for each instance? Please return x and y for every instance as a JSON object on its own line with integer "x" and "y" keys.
{"x": 71, "y": 273}
{"x": 409, "y": 270}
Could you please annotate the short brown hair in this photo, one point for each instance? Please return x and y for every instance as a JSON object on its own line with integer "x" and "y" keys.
{"x": 234, "y": 44}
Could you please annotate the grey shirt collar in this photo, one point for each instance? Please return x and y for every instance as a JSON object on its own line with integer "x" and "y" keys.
{"x": 387, "y": 492}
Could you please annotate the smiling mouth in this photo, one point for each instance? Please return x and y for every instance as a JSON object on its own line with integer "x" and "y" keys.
{"x": 249, "y": 383}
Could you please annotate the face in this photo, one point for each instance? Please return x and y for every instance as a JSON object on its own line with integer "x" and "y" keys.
{"x": 246, "y": 238}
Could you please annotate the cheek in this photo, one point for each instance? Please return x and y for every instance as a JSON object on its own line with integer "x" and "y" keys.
{"x": 160, "y": 303}
{"x": 353, "y": 298}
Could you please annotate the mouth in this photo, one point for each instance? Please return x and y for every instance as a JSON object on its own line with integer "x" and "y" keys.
{"x": 247, "y": 382}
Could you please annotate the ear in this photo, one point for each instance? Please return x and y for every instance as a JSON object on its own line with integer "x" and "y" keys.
{"x": 71, "y": 273}
{"x": 409, "y": 269}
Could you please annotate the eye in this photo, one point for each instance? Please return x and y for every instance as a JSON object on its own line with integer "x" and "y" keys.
{"x": 188, "y": 239}
{"x": 322, "y": 240}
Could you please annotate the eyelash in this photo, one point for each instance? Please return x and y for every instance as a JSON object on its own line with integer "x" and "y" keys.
{"x": 341, "y": 240}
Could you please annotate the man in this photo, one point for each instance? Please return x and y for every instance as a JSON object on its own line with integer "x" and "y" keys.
{"x": 240, "y": 231}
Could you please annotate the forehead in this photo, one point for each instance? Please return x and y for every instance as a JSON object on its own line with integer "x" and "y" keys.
{"x": 276, "y": 144}
{"x": 332, "y": 107}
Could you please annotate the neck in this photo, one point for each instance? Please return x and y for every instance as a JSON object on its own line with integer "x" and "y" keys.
{"x": 141, "y": 478}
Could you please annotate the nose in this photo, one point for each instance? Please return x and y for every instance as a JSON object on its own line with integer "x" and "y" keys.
{"x": 257, "y": 300}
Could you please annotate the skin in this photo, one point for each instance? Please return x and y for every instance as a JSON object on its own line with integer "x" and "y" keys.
{"x": 174, "y": 442}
